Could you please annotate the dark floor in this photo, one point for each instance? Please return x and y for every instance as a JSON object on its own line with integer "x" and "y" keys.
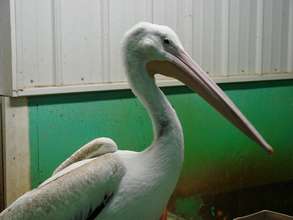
{"x": 275, "y": 197}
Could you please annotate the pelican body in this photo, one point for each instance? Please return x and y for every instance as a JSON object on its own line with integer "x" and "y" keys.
{"x": 101, "y": 182}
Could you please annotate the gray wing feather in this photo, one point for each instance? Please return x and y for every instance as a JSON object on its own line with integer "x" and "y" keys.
{"x": 94, "y": 148}
{"x": 70, "y": 194}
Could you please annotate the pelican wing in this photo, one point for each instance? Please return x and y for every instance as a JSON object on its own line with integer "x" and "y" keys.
{"x": 94, "y": 148}
{"x": 79, "y": 191}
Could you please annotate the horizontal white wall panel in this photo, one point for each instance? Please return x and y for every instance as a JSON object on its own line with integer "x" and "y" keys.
{"x": 34, "y": 43}
{"x": 64, "y": 43}
{"x": 6, "y": 83}
{"x": 79, "y": 23}
{"x": 120, "y": 16}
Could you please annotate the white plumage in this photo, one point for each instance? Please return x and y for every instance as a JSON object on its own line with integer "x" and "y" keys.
{"x": 101, "y": 182}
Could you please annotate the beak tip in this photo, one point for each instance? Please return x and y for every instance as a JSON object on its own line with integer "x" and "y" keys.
{"x": 269, "y": 149}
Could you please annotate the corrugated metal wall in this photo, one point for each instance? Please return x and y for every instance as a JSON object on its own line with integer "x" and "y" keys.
{"x": 64, "y": 42}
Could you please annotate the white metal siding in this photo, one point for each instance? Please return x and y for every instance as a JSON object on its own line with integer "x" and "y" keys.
{"x": 64, "y": 43}
{"x": 5, "y": 49}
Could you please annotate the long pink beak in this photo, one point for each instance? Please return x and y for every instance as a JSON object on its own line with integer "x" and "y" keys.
{"x": 182, "y": 67}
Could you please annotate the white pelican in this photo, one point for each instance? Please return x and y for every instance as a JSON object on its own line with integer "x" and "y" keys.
{"x": 101, "y": 182}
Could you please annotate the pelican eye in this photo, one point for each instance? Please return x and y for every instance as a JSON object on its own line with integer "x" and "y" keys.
{"x": 166, "y": 41}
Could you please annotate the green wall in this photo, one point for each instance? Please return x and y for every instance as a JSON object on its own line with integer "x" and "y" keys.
{"x": 217, "y": 156}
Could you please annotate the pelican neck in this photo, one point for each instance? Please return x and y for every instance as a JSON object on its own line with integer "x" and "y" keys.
{"x": 162, "y": 114}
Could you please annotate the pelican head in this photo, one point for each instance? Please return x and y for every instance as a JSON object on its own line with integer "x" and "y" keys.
{"x": 150, "y": 41}
{"x": 157, "y": 50}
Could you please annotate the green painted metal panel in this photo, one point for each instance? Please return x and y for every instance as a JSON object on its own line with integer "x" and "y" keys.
{"x": 217, "y": 156}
